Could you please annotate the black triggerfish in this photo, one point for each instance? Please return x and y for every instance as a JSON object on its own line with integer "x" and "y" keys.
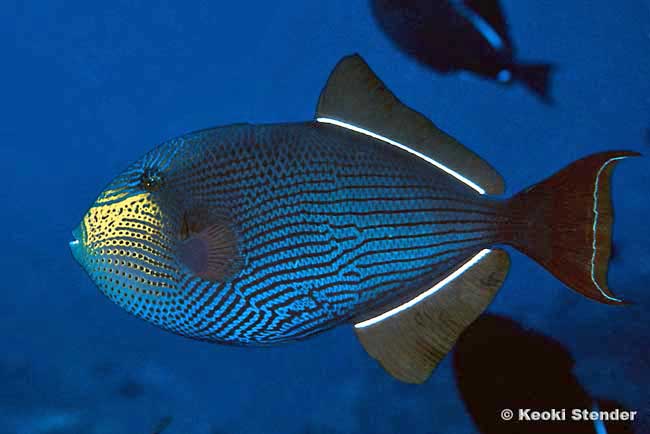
{"x": 368, "y": 215}
{"x": 459, "y": 35}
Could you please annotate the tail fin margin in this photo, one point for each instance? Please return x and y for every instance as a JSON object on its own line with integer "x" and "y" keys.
{"x": 565, "y": 224}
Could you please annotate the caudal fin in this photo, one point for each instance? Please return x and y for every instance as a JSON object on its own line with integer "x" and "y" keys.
{"x": 565, "y": 224}
{"x": 536, "y": 77}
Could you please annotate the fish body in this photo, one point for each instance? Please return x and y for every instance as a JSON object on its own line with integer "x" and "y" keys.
{"x": 458, "y": 35}
{"x": 330, "y": 223}
{"x": 262, "y": 234}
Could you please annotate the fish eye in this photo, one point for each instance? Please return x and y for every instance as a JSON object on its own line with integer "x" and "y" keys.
{"x": 151, "y": 179}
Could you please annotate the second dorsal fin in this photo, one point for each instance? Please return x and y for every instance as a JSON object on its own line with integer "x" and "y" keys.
{"x": 355, "y": 96}
{"x": 409, "y": 343}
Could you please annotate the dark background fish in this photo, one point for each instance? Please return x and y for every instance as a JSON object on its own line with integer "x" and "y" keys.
{"x": 87, "y": 88}
{"x": 510, "y": 352}
{"x": 460, "y": 35}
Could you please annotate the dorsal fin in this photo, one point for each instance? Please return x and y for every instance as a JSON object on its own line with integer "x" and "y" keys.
{"x": 355, "y": 96}
{"x": 410, "y": 343}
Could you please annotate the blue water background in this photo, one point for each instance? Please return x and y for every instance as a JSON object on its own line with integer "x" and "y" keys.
{"x": 88, "y": 87}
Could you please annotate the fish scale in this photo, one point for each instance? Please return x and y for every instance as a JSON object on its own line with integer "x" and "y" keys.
{"x": 309, "y": 225}
{"x": 328, "y": 208}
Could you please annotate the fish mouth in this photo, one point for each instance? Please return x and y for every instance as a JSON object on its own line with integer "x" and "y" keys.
{"x": 76, "y": 235}
{"x": 76, "y": 245}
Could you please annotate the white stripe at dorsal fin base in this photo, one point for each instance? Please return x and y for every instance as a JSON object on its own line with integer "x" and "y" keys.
{"x": 409, "y": 343}
{"x": 354, "y": 97}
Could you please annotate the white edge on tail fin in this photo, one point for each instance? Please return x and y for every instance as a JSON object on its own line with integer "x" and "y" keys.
{"x": 426, "y": 293}
{"x": 595, "y": 225}
{"x": 440, "y": 166}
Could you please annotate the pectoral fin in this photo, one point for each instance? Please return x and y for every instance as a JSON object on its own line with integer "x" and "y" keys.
{"x": 210, "y": 247}
{"x": 411, "y": 343}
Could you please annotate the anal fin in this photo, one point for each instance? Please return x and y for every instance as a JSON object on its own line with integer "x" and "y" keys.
{"x": 410, "y": 343}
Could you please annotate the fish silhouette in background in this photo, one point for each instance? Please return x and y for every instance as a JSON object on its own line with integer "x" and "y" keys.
{"x": 459, "y": 35}
{"x": 526, "y": 370}
{"x": 369, "y": 214}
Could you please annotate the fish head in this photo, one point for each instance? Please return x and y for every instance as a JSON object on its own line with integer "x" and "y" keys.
{"x": 127, "y": 240}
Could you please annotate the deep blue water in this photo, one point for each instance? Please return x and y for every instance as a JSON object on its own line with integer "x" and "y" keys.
{"x": 88, "y": 87}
